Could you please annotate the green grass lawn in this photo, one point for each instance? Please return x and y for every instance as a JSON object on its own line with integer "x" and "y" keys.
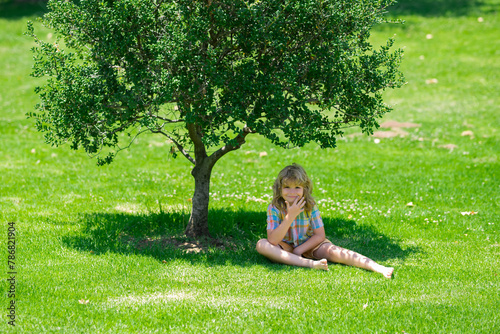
{"x": 101, "y": 250}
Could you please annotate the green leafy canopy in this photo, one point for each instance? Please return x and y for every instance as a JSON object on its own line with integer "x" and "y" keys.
{"x": 212, "y": 71}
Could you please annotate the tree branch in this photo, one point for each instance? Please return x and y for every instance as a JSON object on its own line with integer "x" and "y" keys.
{"x": 240, "y": 140}
{"x": 178, "y": 145}
{"x": 195, "y": 135}
{"x": 168, "y": 120}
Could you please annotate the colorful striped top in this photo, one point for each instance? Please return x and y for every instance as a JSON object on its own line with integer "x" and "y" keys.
{"x": 301, "y": 228}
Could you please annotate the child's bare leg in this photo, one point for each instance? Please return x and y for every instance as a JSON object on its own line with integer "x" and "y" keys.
{"x": 341, "y": 255}
{"x": 277, "y": 254}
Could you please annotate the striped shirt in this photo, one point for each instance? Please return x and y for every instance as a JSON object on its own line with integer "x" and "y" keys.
{"x": 301, "y": 228}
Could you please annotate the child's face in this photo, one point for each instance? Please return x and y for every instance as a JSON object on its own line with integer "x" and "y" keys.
{"x": 291, "y": 191}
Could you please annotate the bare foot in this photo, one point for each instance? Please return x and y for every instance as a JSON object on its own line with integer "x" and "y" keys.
{"x": 320, "y": 265}
{"x": 386, "y": 271}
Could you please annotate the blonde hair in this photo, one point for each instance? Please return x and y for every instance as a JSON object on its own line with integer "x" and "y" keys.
{"x": 293, "y": 173}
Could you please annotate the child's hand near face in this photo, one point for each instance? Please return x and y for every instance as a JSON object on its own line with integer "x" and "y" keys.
{"x": 296, "y": 207}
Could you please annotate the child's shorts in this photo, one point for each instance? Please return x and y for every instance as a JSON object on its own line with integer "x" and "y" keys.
{"x": 309, "y": 254}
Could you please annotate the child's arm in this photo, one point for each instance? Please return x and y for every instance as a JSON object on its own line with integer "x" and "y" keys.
{"x": 276, "y": 235}
{"x": 317, "y": 237}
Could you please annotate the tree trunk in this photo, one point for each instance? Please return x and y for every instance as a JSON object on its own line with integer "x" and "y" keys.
{"x": 203, "y": 164}
{"x": 198, "y": 222}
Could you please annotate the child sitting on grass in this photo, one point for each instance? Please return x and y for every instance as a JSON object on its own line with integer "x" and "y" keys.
{"x": 295, "y": 232}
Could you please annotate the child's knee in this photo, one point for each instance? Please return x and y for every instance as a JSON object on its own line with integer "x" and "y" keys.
{"x": 261, "y": 245}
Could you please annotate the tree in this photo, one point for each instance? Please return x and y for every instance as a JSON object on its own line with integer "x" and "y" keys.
{"x": 205, "y": 74}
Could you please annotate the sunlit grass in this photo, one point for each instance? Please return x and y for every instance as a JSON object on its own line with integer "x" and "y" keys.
{"x": 112, "y": 237}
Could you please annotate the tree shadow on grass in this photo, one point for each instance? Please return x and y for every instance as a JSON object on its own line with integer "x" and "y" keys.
{"x": 366, "y": 240}
{"x": 161, "y": 236}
